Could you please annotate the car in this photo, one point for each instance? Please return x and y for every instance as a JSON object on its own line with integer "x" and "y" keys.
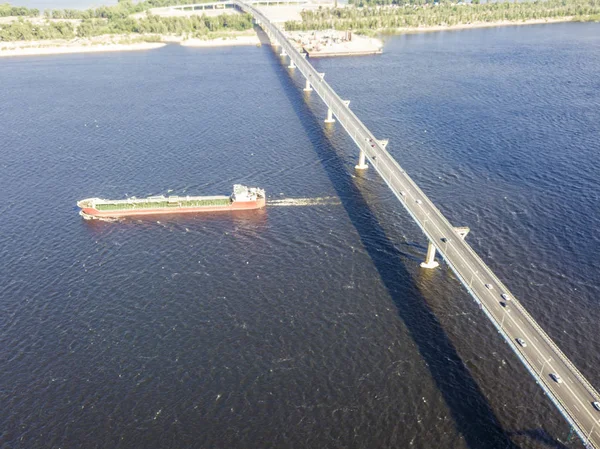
{"x": 521, "y": 342}
{"x": 403, "y": 193}
{"x": 445, "y": 239}
{"x": 505, "y": 297}
{"x": 556, "y": 378}
{"x": 419, "y": 201}
{"x": 503, "y": 304}
{"x": 596, "y": 405}
{"x": 489, "y": 286}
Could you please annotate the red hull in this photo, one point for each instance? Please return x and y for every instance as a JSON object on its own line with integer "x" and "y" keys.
{"x": 236, "y": 205}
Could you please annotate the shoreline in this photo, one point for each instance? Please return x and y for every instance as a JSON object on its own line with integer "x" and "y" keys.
{"x": 37, "y": 48}
{"x": 222, "y": 41}
{"x": 71, "y": 49}
{"x": 108, "y": 44}
{"x": 468, "y": 26}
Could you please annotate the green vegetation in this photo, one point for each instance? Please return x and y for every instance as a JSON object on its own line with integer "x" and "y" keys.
{"x": 444, "y": 13}
{"x": 120, "y": 11}
{"x": 23, "y": 30}
{"x": 6, "y": 11}
{"x": 117, "y": 20}
{"x": 165, "y": 204}
{"x": 196, "y": 26}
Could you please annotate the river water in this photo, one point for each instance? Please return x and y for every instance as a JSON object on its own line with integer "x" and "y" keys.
{"x": 308, "y": 324}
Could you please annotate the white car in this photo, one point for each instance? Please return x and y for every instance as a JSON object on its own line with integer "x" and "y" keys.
{"x": 521, "y": 342}
{"x": 419, "y": 202}
{"x": 403, "y": 193}
{"x": 505, "y": 297}
{"x": 489, "y": 286}
{"x": 596, "y": 405}
{"x": 556, "y": 378}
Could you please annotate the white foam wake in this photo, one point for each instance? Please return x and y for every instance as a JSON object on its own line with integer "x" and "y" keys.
{"x": 320, "y": 201}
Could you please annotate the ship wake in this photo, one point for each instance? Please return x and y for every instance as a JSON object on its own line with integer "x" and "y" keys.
{"x": 320, "y": 201}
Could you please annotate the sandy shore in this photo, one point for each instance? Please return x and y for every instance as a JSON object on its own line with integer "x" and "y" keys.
{"x": 221, "y": 42}
{"x": 111, "y": 43}
{"x": 57, "y": 50}
{"x": 468, "y": 26}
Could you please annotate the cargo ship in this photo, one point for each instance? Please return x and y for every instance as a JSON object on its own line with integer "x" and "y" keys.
{"x": 242, "y": 198}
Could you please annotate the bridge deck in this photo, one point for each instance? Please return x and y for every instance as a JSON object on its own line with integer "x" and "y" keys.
{"x": 541, "y": 356}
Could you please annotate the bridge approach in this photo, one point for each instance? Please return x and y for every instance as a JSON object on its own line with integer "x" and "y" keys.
{"x": 573, "y": 396}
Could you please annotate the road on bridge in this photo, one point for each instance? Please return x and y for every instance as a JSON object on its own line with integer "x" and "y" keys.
{"x": 573, "y": 395}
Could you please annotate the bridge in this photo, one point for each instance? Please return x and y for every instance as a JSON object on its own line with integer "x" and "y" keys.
{"x": 562, "y": 382}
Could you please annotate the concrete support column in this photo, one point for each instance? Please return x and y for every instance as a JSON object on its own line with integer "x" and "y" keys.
{"x": 307, "y": 88}
{"x": 462, "y": 231}
{"x": 329, "y": 118}
{"x": 292, "y": 65}
{"x": 362, "y": 164}
{"x": 430, "y": 259}
{"x": 283, "y": 53}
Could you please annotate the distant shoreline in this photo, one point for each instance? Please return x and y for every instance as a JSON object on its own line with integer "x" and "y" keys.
{"x": 222, "y": 41}
{"x": 69, "y": 49}
{"x": 468, "y": 26}
{"x": 38, "y": 48}
{"x": 115, "y": 43}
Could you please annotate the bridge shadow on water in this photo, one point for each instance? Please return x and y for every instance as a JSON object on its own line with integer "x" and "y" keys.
{"x": 541, "y": 436}
{"x": 474, "y": 418}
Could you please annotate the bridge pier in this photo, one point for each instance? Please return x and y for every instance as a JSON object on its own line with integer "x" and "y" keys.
{"x": 307, "y": 88}
{"x": 430, "y": 261}
{"x": 292, "y": 65}
{"x": 362, "y": 164}
{"x": 329, "y": 118}
{"x": 462, "y": 231}
{"x": 283, "y": 53}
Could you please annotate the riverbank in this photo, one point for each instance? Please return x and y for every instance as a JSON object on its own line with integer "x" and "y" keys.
{"x": 125, "y": 42}
{"x": 113, "y": 43}
{"x": 82, "y": 48}
{"x": 372, "y": 19}
{"x": 468, "y": 26}
{"x": 222, "y": 41}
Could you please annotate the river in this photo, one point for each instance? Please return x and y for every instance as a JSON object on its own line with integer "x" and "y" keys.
{"x": 309, "y": 324}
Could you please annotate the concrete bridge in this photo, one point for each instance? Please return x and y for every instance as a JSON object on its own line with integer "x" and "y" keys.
{"x": 562, "y": 382}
